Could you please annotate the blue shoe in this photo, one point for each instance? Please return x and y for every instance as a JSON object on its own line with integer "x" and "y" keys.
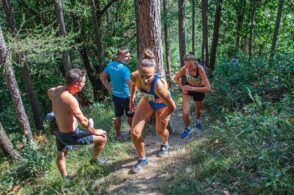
{"x": 140, "y": 164}
{"x": 187, "y": 131}
{"x": 198, "y": 125}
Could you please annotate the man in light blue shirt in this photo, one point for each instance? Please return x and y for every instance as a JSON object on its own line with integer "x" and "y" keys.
{"x": 119, "y": 75}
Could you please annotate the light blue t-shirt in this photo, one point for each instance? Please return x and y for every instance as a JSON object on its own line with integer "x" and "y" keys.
{"x": 119, "y": 74}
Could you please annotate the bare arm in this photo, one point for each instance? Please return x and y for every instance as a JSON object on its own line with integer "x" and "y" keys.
{"x": 132, "y": 90}
{"x": 75, "y": 109}
{"x": 161, "y": 90}
{"x": 103, "y": 79}
{"x": 178, "y": 77}
{"x": 50, "y": 92}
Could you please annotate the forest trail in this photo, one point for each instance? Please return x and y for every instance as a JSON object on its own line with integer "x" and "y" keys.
{"x": 153, "y": 178}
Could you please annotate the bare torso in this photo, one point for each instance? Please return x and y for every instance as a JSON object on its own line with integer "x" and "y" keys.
{"x": 65, "y": 119}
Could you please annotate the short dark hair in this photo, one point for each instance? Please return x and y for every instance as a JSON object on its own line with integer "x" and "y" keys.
{"x": 122, "y": 50}
{"x": 75, "y": 75}
{"x": 189, "y": 57}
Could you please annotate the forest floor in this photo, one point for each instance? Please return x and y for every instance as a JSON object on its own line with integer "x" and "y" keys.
{"x": 156, "y": 175}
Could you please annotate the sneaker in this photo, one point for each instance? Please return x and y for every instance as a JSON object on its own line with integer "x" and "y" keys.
{"x": 187, "y": 131}
{"x": 68, "y": 178}
{"x": 139, "y": 165}
{"x": 100, "y": 161}
{"x": 198, "y": 125}
{"x": 163, "y": 151}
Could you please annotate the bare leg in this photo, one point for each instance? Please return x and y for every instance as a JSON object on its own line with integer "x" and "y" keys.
{"x": 99, "y": 143}
{"x": 198, "y": 106}
{"x": 142, "y": 114}
{"x": 130, "y": 120}
{"x": 117, "y": 125}
{"x": 61, "y": 164}
{"x": 186, "y": 109}
{"x": 160, "y": 127}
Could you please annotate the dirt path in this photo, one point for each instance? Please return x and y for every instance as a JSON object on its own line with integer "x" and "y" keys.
{"x": 153, "y": 178}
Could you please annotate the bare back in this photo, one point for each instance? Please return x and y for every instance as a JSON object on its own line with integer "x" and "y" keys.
{"x": 61, "y": 98}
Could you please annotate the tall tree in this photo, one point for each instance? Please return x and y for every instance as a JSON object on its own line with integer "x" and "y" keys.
{"x": 62, "y": 32}
{"x": 217, "y": 18}
{"x": 166, "y": 41}
{"x": 181, "y": 28}
{"x": 193, "y": 25}
{"x": 7, "y": 146}
{"x": 149, "y": 29}
{"x": 97, "y": 13}
{"x": 240, "y": 10}
{"x": 252, "y": 16}
{"x": 204, "y": 9}
{"x": 276, "y": 31}
{"x": 8, "y": 9}
{"x": 13, "y": 88}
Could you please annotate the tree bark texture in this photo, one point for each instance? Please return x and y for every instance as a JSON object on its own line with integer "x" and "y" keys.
{"x": 193, "y": 25}
{"x": 205, "y": 30}
{"x": 215, "y": 37}
{"x": 149, "y": 29}
{"x": 14, "y": 91}
{"x": 166, "y": 42}
{"x": 25, "y": 70}
{"x": 277, "y": 26}
{"x": 32, "y": 98}
{"x": 60, "y": 21}
{"x": 7, "y": 146}
{"x": 97, "y": 33}
{"x": 181, "y": 28}
{"x": 8, "y": 9}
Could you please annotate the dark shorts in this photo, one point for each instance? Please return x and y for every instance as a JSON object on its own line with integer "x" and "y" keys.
{"x": 121, "y": 106}
{"x": 65, "y": 140}
{"x": 197, "y": 96}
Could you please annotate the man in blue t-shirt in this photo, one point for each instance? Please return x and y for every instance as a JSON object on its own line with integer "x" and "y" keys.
{"x": 119, "y": 75}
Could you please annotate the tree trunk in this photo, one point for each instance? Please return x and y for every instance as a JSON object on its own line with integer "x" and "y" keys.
{"x": 7, "y": 146}
{"x": 14, "y": 91}
{"x": 166, "y": 42}
{"x": 149, "y": 29}
{"x": 217, "y": 18}
{"x": 181, "y": 28}
{"x": 252, "y": 15}
{"x": 193, "y": 25}
{"x": 97, "y": 33}
{"x": 60, "y": 21}
{"x": 25, "y": 70}
{"x": 32, "y": 98}
{"x": 240, "y": 9}
{"x": 8, "y": 9}
{"x": 205, "y": 31}
{"x": 277, "y": 26}
{"x": 96, "y": 83}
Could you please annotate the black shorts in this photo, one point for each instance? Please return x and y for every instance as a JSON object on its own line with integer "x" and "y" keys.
{"x": 121, "y": 106}
{"x": 64, "y": 141}
{"x": 197, "y": 96}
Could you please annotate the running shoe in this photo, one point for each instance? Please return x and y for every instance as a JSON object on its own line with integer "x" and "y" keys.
{"x": 198, "y": 125}
{"x": 187, "y": 131}
{"x": 139, "y": 165}
{"x": 163, "y": 152}
{"x": 100, "y": 161}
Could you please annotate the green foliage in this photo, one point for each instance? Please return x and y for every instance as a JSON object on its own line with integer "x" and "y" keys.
{"x": 233, "y": 78}
{"x": 246, "y": 153}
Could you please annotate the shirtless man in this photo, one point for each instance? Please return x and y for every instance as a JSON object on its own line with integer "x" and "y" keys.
{"x": 67, "y": 114}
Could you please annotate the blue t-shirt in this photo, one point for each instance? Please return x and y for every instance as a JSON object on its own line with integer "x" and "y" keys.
{"x": 119, "y": 74}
